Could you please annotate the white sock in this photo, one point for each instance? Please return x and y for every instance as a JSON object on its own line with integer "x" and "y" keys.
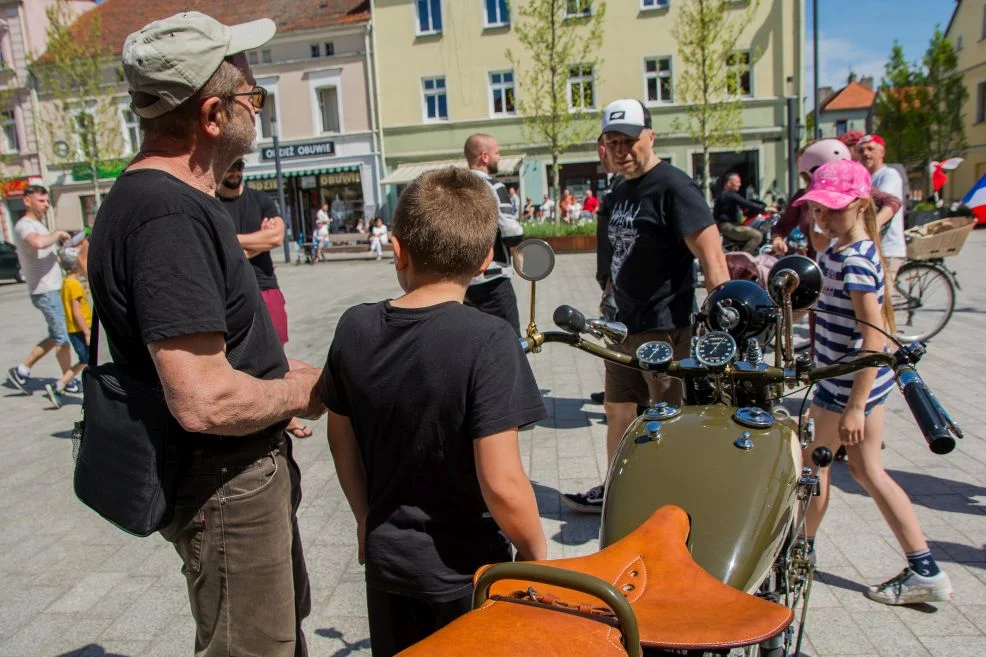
{"x": 23, "y": 371}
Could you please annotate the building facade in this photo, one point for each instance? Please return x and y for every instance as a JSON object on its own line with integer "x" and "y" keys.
{"x": 444, "y": 74}
{"x": 850, "y": 108}
{"x": 23, "y": 35}
{"x": 967, "y": 32}
{"x": 317, "y": 74}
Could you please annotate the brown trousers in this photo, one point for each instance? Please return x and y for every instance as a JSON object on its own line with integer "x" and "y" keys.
{"x": 236, "y": 531}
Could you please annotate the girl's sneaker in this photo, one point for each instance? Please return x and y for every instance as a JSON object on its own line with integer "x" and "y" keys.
{"x": 73, "y": 387}
{"x": 54, "y": 395}
{"x": 909, "y": 588}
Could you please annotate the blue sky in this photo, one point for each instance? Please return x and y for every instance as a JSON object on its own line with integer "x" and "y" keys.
{"x": 857, "y": 35}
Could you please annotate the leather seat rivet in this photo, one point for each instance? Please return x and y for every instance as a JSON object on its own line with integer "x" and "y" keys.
{"x": 633, "y": 573}
{"x": 628, "y": 587}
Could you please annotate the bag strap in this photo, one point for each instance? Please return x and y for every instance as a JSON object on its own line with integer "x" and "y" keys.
{"x": 94, "y": 339}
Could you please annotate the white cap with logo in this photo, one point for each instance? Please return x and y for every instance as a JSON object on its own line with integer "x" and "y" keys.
{"x": 173, "y": 58}
{"x": 627, "y": 116}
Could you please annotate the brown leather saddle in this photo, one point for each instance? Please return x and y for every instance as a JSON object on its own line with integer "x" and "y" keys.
{"x": 675, "y": 604}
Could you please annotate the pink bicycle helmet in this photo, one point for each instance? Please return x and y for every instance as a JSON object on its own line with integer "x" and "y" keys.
{"x": 822, "y": 152}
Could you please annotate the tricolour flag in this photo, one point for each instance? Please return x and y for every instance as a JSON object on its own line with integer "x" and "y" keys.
{"x": 975, "y": 200}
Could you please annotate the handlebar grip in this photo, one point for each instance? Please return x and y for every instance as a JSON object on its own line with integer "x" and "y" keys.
{"x": 926, "y": 412}
{"x": 570, "y": 320}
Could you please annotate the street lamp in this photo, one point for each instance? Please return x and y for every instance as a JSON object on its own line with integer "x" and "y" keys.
{"x": 280, "y": 182}
{"x": 814, "y": 40}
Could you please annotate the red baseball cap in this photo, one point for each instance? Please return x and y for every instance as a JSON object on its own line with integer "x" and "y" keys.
{"x": 877, "y": 139}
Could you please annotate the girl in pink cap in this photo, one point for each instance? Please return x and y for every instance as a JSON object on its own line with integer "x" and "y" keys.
{"x": 850, "y": 409}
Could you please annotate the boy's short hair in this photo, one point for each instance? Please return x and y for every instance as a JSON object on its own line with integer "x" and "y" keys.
{"x": 447, "y": 221}
{"x": 69, "y": 257}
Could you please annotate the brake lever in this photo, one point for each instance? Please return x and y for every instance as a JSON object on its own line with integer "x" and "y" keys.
{"x": 952, "y": 424}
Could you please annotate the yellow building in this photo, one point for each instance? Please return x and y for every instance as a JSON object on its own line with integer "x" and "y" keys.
{"x": 443, "y": 74}
{"x": 967, "y": 32}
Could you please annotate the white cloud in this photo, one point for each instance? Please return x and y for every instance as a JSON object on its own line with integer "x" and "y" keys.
{"x": 837, "y": 58}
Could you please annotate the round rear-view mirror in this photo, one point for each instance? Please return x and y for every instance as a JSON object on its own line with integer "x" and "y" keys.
{"x": 534, "y": 259}
{"x": 809, "y": 281}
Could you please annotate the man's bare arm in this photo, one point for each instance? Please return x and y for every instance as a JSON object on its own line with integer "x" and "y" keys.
{"x": 706, "y": 245}
{"x": 270, "y": 236}
{"x": 39, "y": 241}
{"x": 206, "y": 395}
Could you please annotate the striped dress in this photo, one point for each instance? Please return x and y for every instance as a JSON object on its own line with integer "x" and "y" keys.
{"x": 855, "y": 267}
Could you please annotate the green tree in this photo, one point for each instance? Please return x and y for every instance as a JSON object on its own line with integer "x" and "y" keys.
{"x": 78, "y": 94}
{"x": 946, "y": 95}
{"x": 561, "y": 40}
{"x": 900, "y": 109}
{"x": 713, "y": 74}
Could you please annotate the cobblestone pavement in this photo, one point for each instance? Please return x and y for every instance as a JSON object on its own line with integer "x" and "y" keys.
{"x": 73, "y": 585}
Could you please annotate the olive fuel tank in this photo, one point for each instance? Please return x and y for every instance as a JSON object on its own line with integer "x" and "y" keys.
{"x": 736, "y": 482}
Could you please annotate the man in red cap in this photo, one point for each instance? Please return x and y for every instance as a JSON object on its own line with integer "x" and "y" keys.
{"x": 871, "y": 151}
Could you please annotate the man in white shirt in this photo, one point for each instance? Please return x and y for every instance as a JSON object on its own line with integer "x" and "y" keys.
{"x": 39, "y": 264}
{"x": 547, "y": 208}
{"x": 871, "y": 151}
{"x": 322, "y": 216}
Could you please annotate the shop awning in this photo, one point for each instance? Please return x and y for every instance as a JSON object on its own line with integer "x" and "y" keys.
{"x": 405, "y": 173}
{"x": 301, "y": 172}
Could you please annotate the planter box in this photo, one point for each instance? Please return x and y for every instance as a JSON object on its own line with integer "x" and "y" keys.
{"x": 572, "y": 243}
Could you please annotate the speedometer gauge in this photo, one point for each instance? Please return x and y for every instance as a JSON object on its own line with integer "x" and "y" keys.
{"x": 652, "y": 355}
{"x": 715, "y": 349}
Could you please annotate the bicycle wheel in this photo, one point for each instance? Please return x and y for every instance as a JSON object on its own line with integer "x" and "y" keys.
{"x": 924, "y": 299}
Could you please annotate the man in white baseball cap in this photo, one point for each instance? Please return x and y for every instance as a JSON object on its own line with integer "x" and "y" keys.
{"x": 181, "y": 309}
{"x": 659, "y": 223}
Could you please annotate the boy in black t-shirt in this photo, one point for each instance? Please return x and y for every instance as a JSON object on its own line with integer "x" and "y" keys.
{"x": 425, "y": 396}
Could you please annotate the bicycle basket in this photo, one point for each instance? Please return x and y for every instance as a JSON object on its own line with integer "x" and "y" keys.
{"x": 938, "y": 239}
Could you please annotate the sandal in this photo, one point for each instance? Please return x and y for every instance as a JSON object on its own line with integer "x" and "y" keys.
{"x": 298, "y": 430}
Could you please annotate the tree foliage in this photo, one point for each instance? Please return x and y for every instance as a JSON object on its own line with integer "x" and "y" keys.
{"x": 711, "y": 72}
{"x": 556, "y": 47}
{"x": 898, "y": 109}
{"x": 79, "y": 104}
{"x": 945, "y": 122}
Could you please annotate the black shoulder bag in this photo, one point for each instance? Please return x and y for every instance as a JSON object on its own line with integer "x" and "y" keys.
{"x": 128, "y": 442}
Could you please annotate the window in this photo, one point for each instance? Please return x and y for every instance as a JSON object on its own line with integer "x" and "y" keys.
{"x": 265, "y": 56}
{"x": 578, "y": 8}
{"x": 841, "y": 127}
{"x": 252, "y": 58}
{"x": 654, "y": 4}
{"x": 429, "y": 16}
{"x": 315, "y": 51}
{"x": 958, "y": 43}
{"x": 328, "y": 109}
{"x": 435, "y": 99}
{"x": 739, "y": 73}
{"x": 502, "y": 93}
{"x": 581, "y": 88}
{"x": 330, "y": 48}
{"x": 657, "y": 77}
{"x": 131, "y": 130}
{"x": 11, "y": 143}
{"x": 86, "y": 124}
{"x": 981, "y": 102}
{"x": 983, "y": 35}
{"x": 267, "y": 116}
{"x": 497, "y": 14}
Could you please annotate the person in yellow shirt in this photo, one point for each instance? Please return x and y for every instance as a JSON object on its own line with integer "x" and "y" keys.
{"x": 78, "y": 320}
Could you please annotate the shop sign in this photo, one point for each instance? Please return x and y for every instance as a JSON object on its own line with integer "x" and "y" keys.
{"x": 339, "y": 178}
{"x": 14, "y": 188}
{"x": 263, "y": 185}
{"x": 309, "y": 149}
{"x": 308, "y": 182}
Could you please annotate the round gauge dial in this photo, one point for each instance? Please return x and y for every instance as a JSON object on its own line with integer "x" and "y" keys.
{"x": 715, "y": 349}
{"x": 654, "y": 354}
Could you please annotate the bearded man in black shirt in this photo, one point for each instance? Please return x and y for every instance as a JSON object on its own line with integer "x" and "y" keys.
{"x": 659, "y": 223}
{"x": 181, "y": 308}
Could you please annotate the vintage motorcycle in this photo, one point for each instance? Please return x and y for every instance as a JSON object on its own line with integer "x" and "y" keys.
{"x": 702, "y": 532}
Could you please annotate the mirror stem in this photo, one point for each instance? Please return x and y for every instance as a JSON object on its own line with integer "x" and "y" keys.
{"x": 532, "y": 327}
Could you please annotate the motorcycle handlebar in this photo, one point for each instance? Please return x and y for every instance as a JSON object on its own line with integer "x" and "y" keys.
{"x": 926, "y": 411}
{"x": 570, "y": 320}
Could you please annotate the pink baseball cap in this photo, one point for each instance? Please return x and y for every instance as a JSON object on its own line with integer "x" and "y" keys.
{"x": 837, "y": 184}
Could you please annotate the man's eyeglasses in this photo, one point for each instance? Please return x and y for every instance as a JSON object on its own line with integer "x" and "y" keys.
{"x": 258, "y": 95}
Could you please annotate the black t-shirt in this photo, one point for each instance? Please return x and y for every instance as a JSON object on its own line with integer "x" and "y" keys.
{"x": 248, "y": 210}
{"x": 652, "y": 267}
{"x": 419, "y": 385}
{"x": 164, "y": 262}
{"x": 727, "y": 207}
{"x": 604, "y": 250}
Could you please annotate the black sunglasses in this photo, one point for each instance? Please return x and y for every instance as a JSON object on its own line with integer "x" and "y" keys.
{"x": 258, "y": 95}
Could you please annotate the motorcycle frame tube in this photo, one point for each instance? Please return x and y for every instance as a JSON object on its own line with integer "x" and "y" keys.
{"x": 569, "y": 579}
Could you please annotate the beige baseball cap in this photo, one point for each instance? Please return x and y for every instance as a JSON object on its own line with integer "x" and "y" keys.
{"x": 174, "y": 57}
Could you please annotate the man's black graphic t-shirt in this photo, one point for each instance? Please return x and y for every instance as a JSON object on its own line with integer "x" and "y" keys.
{"x": 652, "y": 268}
{"x": 164, "y": 262}
{"x": 248, "y": 210}
{"x": 420, "y": 385}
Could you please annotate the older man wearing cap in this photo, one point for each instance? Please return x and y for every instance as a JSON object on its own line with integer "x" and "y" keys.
{"x": 659, "y": 223}
{"x": 871, "y": 151}
{"x": 179, "y": 304}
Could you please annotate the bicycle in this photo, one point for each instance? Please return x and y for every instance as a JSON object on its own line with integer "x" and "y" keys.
{"x": 923, "y": 298}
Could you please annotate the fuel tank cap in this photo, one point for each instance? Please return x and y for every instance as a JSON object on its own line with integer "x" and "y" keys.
{"x": 753, "y": 417}
{"x": 662, "y": 411}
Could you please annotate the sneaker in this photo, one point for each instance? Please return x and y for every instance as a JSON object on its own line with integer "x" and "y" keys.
{"x": 590, "y": 501}
{"x": 598, "y": 397}
{"x": 73, "y": 387}
{"x": 53, "y": 395}
{"x": 18, "y": 381}
{"x": 909, "y": 588}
